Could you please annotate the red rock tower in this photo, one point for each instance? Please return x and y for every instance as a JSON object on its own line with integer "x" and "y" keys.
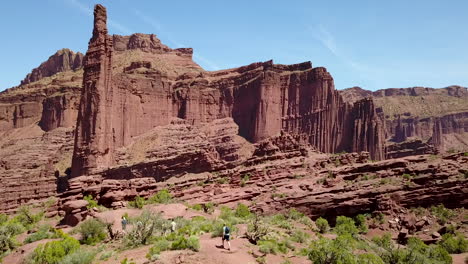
{"x": 93, "y": 140}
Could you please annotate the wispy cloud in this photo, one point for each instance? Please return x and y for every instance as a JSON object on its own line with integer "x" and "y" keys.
{"x": 89, "y": 12}
{"x": 327, "y": 39}
{"x": 173, "y": 42}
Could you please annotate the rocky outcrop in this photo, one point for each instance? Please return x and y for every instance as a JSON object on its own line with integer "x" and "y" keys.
{"x": 122, "y": 101}
{"x": 165, "y": 152}
{"x": 36, "y": 132}
{"x": 59, "y": 111}
{"x": 339, "y": 189}
{"x": 32, "y": 164}
{"x": 94, "y": 133}
{"x": 283, "y": 174}
{"x": 409, "y": 148}
{"x": 18, "y": 114}
{"x": 63, "y": 60}
{"x": 437, "y": 117}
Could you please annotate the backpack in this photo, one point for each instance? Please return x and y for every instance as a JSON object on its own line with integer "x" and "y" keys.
{"x": 226, "y": 230}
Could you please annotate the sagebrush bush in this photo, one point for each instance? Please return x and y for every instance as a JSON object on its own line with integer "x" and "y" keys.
{"x": 300, "y": 236}
{"x": 209, "y": 207}
{"x": 27, "y": 218}
{"x": 361, "y": 223}
{"x": 268, "y": 247}
{"x": 226, "y": 213}
{"x": 161, "y": 244}
{"x": 138, "y": 202}
{"x": 281, "y": 221}
{"x": 197, "y": 207}
{"x": 92, "y": 231}
{"x": 8, "y": 231}
{"x": 144, "y": 227}
{"x": 454, "y": 244}
{"x": 294, "y": 214}
{"x": 3, "y": 218}
{"x": 415, "y": 252}
{"x": 242, "y": 211}
{"x": 442, "y": 214}
{"x": 339, "y": 250}
{"x": 369, "y": 258}
{"x": 345, "y": 225}
{"x": 163, "y": 196}
{"x": 322, "y": 225}
{"x": 91, "y": 202}
{"x": 181, "y": 242}
{"x": 53, "y": 252}
{"x": 44, "y": 232}
{"x": 107, "y": 255}
{"x": 80, "y": 256}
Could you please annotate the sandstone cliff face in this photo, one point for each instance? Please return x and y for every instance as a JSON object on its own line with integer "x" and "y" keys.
{"x": 123, "y": 99}
{"x": 436, "y": 116}
{"x": 31, "y": 164}
{"x": 63, "y": 60}
{"x": 36, "y": 131}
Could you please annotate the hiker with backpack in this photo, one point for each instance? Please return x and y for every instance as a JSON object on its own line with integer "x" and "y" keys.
{"x": 227, "y": 236}
{"x": 124, "y": 223}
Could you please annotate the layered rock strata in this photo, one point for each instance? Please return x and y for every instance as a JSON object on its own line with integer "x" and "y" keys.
{"x": 121, "y": 101}
{"x": 280, "y": 174}
{"x": 437, "y": 117}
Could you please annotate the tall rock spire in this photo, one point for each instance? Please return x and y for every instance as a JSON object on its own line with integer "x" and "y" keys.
{"x": 93, "y": 139}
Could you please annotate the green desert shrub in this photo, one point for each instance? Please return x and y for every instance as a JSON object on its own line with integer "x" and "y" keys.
{"x": 27, "y": 218}
{"x": 242, "y": 211}
{"x": 44, "y": 232}
{"x": 138, "y": 202}
{"x": 369, "y": 258}
{"x": 281, "y": 221}
{"x": 226, "y": 213}
{"x": 144, "y": 227}
{"x": 181, "y": 242}
{"x": 209, "y": 207}
{"x": 92, "y": 231}
{"x": 80, "y": 256}
{"x": 345, "y": 225}
{"x": 274, "y": 246}
{"x": 91, "y": 202}
{"x": 8, "y": 231}
{"x": 162, "y": 197}
{"x": 361, "y": 223}
{"x": 442, "y": 214}
{"x": 53, "y": 252}
{"x": 161, "y": 244}
{"x": 3, "y": 218}
{"x": 197, "y": 207}
{"x": 294, "y": 214}
{"x": 322, "y": 225}
{"x": 107, "y": 255}
{"x": 327, "y": 251}
{"x": 415, "y": 252}
{"x": 300, "y": 236}
{"x": 454, "y": 244}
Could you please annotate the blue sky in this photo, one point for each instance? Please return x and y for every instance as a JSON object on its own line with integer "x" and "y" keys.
{"x": 372, "y": 44}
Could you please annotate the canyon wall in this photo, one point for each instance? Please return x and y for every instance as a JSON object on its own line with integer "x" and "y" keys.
{"x": 122, "y": 99}
{"x": 436, "y": 117}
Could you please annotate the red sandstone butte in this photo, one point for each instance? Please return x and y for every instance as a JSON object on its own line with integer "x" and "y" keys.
{"x": 264, "y": 99}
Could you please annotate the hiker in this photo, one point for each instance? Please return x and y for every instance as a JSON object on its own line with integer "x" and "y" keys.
{"x": 124, "y": 223}
{"x": 173, "y": 226}
{"x": 226, "y": 236}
